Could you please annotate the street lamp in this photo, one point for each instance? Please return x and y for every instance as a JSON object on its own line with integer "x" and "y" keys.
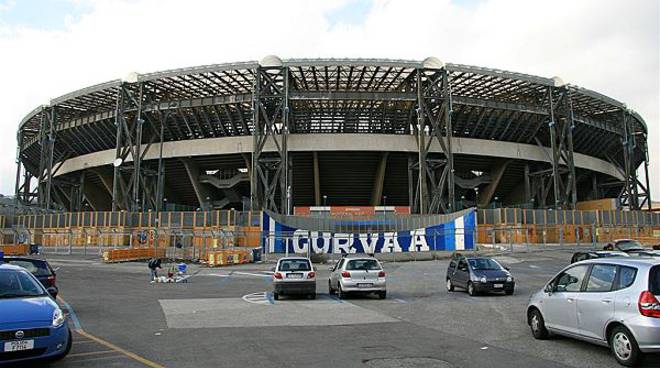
{"x": 325, "y": 200}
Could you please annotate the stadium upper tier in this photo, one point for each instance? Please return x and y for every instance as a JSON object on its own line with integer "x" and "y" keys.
{"x": 328, "y": 96}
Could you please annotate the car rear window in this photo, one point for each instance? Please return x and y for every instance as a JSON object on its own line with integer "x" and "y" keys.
{"x": 654, "y": 280}
{"x": 363, "y": 265}
{"x": 37, "y": 268}
{"x": 295, "y": 265}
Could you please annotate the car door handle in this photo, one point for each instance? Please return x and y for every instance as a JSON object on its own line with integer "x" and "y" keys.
{"x": 607, "y": 301}
{"x": 570, "y": 300}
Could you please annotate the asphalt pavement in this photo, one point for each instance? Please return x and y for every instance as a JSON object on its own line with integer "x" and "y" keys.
{"x": 227, "y": 317}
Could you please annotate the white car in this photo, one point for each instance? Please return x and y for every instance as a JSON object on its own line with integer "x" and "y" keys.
{"x": 612, "y": 302}
{"x": 357, "y": 274}
{"x": 294, "y": 276}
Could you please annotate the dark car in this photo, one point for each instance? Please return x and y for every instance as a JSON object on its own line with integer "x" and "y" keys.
{"x": 479, "y": 275}
{"x": 39, "y": 268}
{"x": 581, "y": 256}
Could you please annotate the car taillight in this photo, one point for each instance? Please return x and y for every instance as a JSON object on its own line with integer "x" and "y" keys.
{"x": 649, "y": 305}
{"x": 311, "y": 275}
{"x": 277, "y": 275}
{"x": 345, "y": 274}
{"x": 381, "y": 274}
{"x": 51, "y": 280}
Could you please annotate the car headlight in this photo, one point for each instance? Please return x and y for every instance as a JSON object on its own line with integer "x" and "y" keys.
{"x": 58, "y": 317}
{"x": 483, "y": 280}
{"x": 509, "y": 279}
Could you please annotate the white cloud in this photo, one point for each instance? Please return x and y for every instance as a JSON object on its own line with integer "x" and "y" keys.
{"x": 609, "y": 46}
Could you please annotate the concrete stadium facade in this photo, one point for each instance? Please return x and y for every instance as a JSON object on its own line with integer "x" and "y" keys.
{"x": 279, "y": 133}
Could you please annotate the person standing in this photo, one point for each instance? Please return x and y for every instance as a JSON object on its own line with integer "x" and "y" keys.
{"x": 154, "y": 265}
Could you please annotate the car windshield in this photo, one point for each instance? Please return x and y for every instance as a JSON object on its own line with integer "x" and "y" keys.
{"x": 654, "y": 280}
{"x": 484, "y": 264}
{"x": 17, "y": 284}
{"x": 35, "y": 267}
{"x": 629, "y": 244}
{"x": 363, "y": 265}
{"x": 295, "y": 265}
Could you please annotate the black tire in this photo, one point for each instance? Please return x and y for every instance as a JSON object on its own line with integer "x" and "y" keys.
{"x": 537, "y": 325}
{"x": 382, "y": 294}
{"x": 276, "y": 296}
{"x": 67, "y": 349}
{"x": 450, "y": 285}
{"x": 340, "y": 293}
{"x": 508, "y": 292}
{"x": 624, "y": 347}
{"x": 470, "y": 289}
{"x": 331, "y": 291}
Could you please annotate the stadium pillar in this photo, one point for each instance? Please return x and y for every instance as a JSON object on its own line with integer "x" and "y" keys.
{"x": 436, "y": 175}
{"x": 269, "y": 176}
{"x": 634, "y": 194}
{"x": 201, "y": 191}
{"x": 133, "y": 186}
{"x": 560, "y": 126}
{"x": 47, "y": 139}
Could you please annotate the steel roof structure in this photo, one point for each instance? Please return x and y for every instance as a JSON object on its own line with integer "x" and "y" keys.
{"x": 269, "y": 101}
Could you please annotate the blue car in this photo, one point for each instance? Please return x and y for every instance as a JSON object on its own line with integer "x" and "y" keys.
{"x": 32, "y": 325}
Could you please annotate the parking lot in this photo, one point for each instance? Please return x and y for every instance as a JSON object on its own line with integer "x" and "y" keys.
{"x": 227, "y": 317}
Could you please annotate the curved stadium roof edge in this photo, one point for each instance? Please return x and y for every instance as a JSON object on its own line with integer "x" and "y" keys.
{"x": 334, "y": 62}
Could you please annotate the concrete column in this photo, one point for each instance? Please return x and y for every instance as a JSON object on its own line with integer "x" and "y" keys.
{"x": 379, "y": 180}
{"x": 496, "y": 175}
{"x": 200, "y": 190}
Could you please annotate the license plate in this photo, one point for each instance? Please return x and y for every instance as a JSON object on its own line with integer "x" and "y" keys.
{"x": 365, "y": 285}
{"x": 498, "y": 286}
{"x": 294, "y": 276}
{"x": 19, "y": 345}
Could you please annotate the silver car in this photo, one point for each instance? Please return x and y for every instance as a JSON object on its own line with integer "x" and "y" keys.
{"x": 357, "y": 274}
{"x": 294, "y": 276}
{"x": 610, "y": 302}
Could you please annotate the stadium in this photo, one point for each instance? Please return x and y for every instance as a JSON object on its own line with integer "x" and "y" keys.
{"x": 282, "y": 134}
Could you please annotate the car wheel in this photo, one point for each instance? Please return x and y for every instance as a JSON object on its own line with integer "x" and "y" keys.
{"x": 625, "y": 348}
{"x": 509, "y": 292}
{"x": 470, "y": 289}
{"x": 276, "y": 296}
{"x": 67, "y": 349}
{"x": 340, "y": 293}
{"x": 537, "y": 324}
{"x": 331, "y": 291}
{"x": 382, "y": 294}
{"x": 450, "y": 285}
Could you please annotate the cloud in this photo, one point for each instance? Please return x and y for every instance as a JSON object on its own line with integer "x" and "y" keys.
{"x": 609, "y": 46}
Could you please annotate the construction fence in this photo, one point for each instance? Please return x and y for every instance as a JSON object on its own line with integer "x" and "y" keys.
{"x": 230, "y": 236}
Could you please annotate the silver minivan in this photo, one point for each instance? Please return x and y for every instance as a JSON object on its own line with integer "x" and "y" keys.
{"x": 611, "y": 302}
{"x": 357, "y": 274}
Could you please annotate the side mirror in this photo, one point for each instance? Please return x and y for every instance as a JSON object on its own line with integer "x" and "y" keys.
{"x": 548, "y": 289}
{"x": 272, "y": 269}
{"x": 52, "y": 292}
{"x": 507, "y": 268}
{"x": 331, "y": 268}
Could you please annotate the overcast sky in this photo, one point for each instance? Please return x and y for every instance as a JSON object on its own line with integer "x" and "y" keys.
{"x": 52, "y": 47}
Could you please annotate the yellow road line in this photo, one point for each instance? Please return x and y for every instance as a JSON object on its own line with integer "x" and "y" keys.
{"x": 114, "y": 347}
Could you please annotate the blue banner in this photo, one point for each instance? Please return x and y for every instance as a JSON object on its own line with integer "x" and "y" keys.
{"x": 457, "y": 234}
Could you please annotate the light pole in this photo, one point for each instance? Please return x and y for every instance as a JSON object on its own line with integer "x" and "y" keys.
{"x": 325, "y": 200}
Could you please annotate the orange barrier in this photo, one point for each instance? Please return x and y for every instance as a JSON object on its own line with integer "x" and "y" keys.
{"x": 229, "y": 257}
{"x": 132, "y": 254}
{"x": 15, "y": 249}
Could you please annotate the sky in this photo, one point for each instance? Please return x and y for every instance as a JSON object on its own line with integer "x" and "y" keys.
{"x": 51, "y": 47}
